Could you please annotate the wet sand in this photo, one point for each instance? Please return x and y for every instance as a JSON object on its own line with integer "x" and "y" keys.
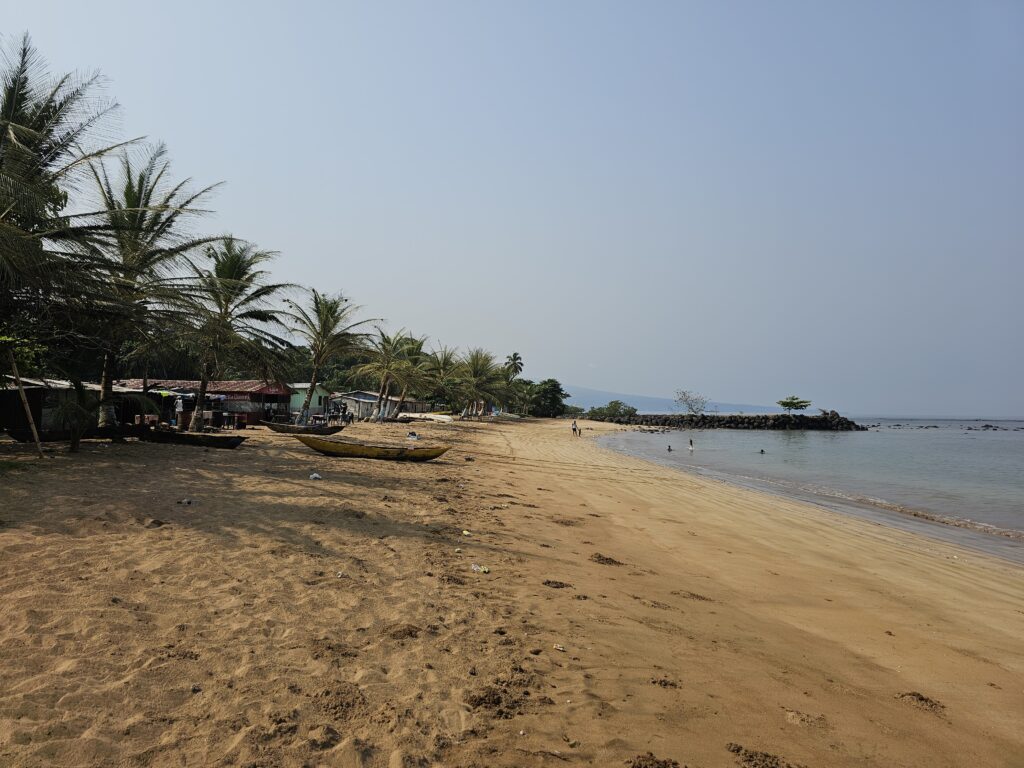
{"x": 283, "y": 621}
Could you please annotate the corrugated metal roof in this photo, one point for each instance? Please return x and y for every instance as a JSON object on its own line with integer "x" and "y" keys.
{"x": 251, "y": 386}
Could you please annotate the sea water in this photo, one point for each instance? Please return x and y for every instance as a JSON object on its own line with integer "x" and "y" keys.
{"x": 958, "y": 480}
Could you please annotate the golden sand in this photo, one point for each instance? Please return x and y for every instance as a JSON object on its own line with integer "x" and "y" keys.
{"x": 282, "y": 621}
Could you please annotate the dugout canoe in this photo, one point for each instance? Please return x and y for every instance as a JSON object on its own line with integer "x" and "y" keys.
{"x": 296, "y": 429}
{"x": 359, "y": 449}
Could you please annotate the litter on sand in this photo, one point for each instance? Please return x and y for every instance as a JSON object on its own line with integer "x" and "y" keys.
{"x": 559, "y": 647}
{"x": 480, "y": 568}
{"x": 315, "y": 476}
{"x": 466, "y": 533}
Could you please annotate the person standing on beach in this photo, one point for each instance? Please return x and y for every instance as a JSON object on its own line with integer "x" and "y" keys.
{"x": 575, "y": 429}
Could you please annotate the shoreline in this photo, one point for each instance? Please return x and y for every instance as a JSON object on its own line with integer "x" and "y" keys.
{"x": 626, "y": 608}
{"x": 989, "y": 539}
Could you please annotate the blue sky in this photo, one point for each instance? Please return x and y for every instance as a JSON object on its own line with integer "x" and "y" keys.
{"x": 746, "y": 199}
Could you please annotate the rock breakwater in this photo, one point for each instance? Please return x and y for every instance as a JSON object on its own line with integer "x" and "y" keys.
{"x": 830, "y": 421}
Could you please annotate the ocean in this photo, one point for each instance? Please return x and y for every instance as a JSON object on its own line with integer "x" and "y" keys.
{"x": 953, "y": 479}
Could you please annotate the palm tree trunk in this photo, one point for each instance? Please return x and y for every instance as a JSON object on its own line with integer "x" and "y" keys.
{"x": 24, "y": 401}
{"x": 384, "y": 386}
{"x": 309, "y": 394}
{"x": 107, "y": 416}
{"x": 401, "y": 400}
{"x": 197, "y": 414}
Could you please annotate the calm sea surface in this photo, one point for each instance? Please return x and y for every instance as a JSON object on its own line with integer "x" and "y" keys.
{"x": 901, "y": 472}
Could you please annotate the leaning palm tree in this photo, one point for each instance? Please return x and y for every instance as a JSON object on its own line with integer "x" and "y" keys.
{"x": 47, "y": 131}
{"x": 482, "y": 378}
{"x": 327, "y": 329}
{"x": 140, "y": 262}
{"x": 233, "y": 319}
{"x": 445, "y": 370}
{"x": 387, "y": 361}
{"x": 414, "y": 376}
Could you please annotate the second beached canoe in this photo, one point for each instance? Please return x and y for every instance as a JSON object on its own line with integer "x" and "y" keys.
{"x": 295, "y": 429}
{"x": 203, "y": 439}
{"x": 357, "y": 449}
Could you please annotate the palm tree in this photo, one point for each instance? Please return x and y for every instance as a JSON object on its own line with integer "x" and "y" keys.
{"x": 328, "y": 331}
{"x": 145, "y": 214}
{"x": 445, "y": 370}
{"x": 514, "y": 365}
{"x": 414, "y": 375}
{"x": 386, "y": 363}
{"x": 46, "y": 127}
{"x": 482, "y": 377}
{"x": 232, "y": 316}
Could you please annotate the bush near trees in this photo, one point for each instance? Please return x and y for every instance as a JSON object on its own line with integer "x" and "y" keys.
{"x": 549, "y": 399}
{"x": 793, "y": 403}
{"x": 614, "y": 410}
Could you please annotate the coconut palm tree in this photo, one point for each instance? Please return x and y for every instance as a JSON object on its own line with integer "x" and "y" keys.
{"x": 140, "y": 261}
{"x": 387, "y": 360}
{"x": 232, "y": 315}
{"x": 328, "y": 331}
{"x": 482, "y": 378}
{"x": 414, "y": 376}
{"x": 514, "y": 365}
{"x": 445, "y": 370}
{"x": 47, "y": 127}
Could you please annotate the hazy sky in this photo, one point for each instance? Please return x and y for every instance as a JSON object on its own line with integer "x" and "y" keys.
{"x": 747, "y": 199}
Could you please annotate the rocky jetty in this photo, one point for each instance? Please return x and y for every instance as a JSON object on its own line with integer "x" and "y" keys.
{"x": 828, "y": 420}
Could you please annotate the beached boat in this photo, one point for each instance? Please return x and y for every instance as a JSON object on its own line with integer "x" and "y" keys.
{"x": 202, "y": 439}
{"x": 358, "y": 449}
{"x": 297, "y": 429}
{"x": 437, "y": 418}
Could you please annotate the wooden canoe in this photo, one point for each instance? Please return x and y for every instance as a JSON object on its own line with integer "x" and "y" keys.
{"x": 357, "y": 449}
{"x": 296, "y": 429}
{"x": 203, "y": 439}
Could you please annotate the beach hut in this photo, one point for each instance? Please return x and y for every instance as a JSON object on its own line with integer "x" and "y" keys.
{"x": 361, "y": 403}
{"x": 317, "y": 404}
{"x": 45, "y": 398}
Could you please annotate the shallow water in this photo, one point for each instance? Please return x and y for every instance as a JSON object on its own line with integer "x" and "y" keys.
{"x": 949, "y": 469}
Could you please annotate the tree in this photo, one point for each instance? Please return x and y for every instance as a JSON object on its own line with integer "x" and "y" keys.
{"x": 694, "y": 402}
{"x": 793, "y": 403}
{"x": 47, "y": 126}
{"x": 144, "y": 213}
{"x": 232, "y": 317}
{"x": 327, "y": 329}
{"x": 549, "y": 399}
{"x": 614, "y": 410}
{"x": 514, "y": 365}
{"x": 386, "y": 361}
{"x": 482, "y": 378}
{"x": 446, "y": 374}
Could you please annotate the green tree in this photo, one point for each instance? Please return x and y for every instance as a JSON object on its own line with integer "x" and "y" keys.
{"x": 514, "y": 365}
{"x": 139, "y": 262}
{"x": 327, "y": 328}
{"x": 482, "y": 379}
{"x": 793, "y": 403}
{"x": 614, "y": 410}
{"x": 233, "y": 320}
{"x": 386, "y": 362}
{"x": 549, "y": 399}
{"x": 446, "y": 374}
{"x": 47, "y": 136}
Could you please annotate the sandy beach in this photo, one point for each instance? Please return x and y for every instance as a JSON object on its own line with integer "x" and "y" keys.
{"x": 166, "y": 605}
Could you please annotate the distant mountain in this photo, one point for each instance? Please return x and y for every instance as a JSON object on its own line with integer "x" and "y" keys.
{"x": 585, "y": 397}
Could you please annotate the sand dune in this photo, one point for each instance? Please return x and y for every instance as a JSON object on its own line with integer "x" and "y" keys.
{"x": 283, "y": 621}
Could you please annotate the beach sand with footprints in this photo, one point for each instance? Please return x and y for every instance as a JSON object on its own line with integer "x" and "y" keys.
{"x": 167, "y": 605}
